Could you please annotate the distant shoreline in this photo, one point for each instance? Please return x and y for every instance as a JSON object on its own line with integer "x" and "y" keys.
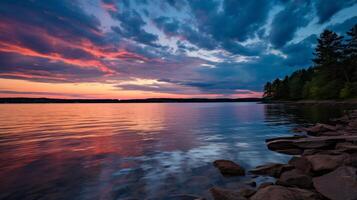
{"x": 21, "y": 100}
{"x": 345, "y": 101}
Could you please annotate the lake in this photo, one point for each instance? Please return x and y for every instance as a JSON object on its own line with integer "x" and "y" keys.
{"x": 139, "y": 151}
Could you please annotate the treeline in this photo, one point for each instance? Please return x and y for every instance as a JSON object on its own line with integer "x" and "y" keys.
{"x": 332, "y": 76}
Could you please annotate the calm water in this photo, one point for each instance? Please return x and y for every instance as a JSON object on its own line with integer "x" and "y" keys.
{"x": 119, "y": 151}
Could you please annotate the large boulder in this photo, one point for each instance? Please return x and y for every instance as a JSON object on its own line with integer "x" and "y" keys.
{"x": 276, "y": 192}
{"x": 271, "y": 169}
{"x": 341, "y": 184}
{"x": 295, "y": 178}
{"x": 229, "y": 168}
{"x": 324, "y": 163}
{"x": 226, "y": 194}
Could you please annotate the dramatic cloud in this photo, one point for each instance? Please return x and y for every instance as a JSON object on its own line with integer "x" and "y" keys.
{"x": 282, "y": 30}
{"x": 174, "y": 47}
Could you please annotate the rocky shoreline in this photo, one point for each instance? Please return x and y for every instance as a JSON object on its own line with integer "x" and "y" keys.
{"x": 323, "y": 166}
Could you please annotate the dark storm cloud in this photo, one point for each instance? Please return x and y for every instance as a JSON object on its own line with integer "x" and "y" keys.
{"x": 132, "y": 27}
{"x": 60, "y": 18}
{"x": 327, "y": 8}
{"x": 288, "y": 21}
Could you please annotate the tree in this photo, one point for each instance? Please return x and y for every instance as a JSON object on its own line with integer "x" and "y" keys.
{"x": 328, "y": 54}
{"x": 333, "y": 76}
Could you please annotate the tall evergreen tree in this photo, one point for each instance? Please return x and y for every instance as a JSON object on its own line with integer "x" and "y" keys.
{"x": 328, "y": 54}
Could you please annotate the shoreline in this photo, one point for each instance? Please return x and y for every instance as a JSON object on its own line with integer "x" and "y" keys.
{"x": 299, "y": 102}
{"x": 323, "y": 165}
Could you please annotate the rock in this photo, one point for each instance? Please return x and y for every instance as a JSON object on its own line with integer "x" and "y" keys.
{"x": 225, "y": 194}
{"x": 330, "y": 133}
{"x": 247, "y": 192}
{"x": 184, "y": 197}
{"x": 294, "y": 152}
{"x": 265, "y": 184}
{"x": 301, "y": 163}
{"x": 314, "y": 143}
{"x": 285, "y": 138}
{"x": 321, "y": 162}
{"x": 346, "y": 147}
{"x": 276, "y": 192}
{"x": 318, "y": 128}
{"x": 352, "y": 161}
{"x": 281, "y": 144}
{"x": 271, "y": 169}
{"x": 251, "y": 183}
{"x": 295, "y": 178}
{"x": 227, "y": 167}
{"x": 323, "y": 142}
{"x": 341, "y": 184}
{"x": 353, "y": 123}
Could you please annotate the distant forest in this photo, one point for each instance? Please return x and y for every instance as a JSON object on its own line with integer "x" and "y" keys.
{"x": 332, "y": 76}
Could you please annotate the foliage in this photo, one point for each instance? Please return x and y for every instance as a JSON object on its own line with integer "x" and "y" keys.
{"x": 333, "y": 75}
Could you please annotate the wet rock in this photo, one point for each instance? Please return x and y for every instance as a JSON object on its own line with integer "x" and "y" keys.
{"x": 301, "y": 163}
{"x": 295, "y": 178}
{"x": 230, "y": 168}
{"x": 321, "y": 162}
{"x": 341, "y": 184}
{"x": 276, "y": 192}
{"x": 285, "y": 138}
{"x": 281, "y": 144}
{"x": 271, "y": 169}
{"x": 324, "y": 142}
{"x": 247, "y": 192}
{"x": 225, "y": 194}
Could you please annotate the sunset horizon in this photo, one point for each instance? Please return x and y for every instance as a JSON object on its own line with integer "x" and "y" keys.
{"x": 131, "y": 49}
{"x": 178, "y": 99}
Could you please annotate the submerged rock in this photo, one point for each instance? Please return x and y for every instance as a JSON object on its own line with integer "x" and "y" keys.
{"x": 340, "y": 184}
{"x": 230, "y": 168}
{"x": 276, "y": 192}
{"x": 225, "y": 194}
{"x": 271, "y": 169}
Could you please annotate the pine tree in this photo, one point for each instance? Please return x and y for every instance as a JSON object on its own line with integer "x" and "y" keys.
{"x": 328, "y": 54}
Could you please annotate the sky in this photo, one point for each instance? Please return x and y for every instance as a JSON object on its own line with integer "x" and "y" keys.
{"x": 126, "y": 49}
